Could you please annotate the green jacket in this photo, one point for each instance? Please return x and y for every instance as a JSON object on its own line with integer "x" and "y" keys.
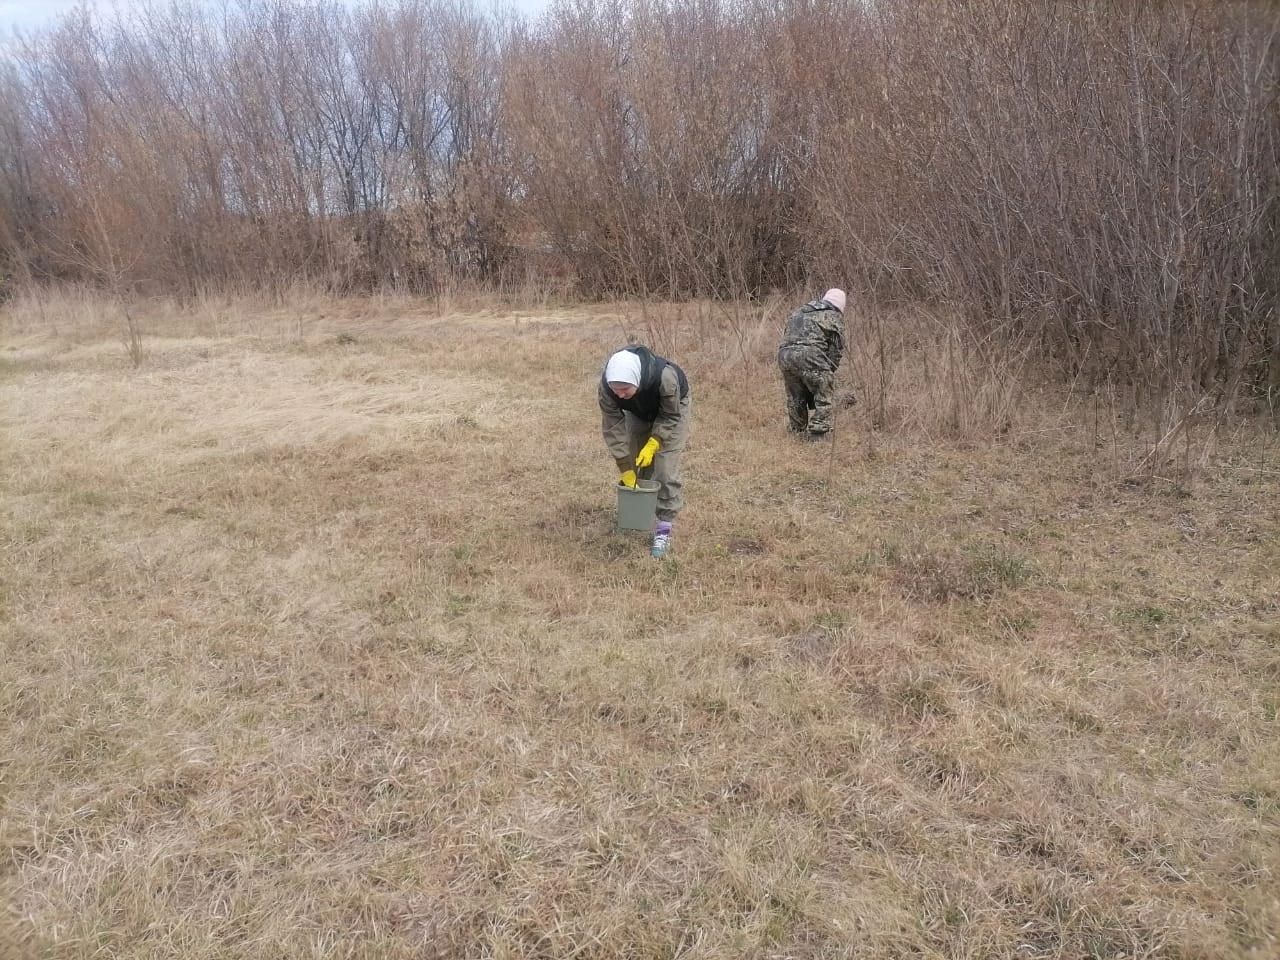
{"x": 665, "y": 424}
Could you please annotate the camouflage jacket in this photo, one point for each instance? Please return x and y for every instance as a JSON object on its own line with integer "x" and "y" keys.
{"x": 816, "y": 329}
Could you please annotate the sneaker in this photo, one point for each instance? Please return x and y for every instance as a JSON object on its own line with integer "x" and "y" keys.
{"x": 661, "y": 539}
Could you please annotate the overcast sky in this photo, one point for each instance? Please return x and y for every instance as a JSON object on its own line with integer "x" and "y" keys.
{"x": 26, "y": 14}
{"x": 31, "y": 13}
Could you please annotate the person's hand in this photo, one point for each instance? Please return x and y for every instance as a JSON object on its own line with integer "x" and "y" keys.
{"x": 628, "y": 479}
{"x": 645, "y": 457}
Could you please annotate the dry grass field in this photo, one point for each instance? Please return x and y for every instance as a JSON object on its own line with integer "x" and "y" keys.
{"x": 317, "y": 643}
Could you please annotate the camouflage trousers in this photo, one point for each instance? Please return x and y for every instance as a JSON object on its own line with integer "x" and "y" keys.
{"x": 810, "y": 387}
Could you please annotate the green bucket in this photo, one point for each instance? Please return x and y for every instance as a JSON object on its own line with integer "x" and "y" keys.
{"x": 638, "y": 507}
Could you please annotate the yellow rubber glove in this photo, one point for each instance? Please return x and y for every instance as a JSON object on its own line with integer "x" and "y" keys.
{"x": 628, "y": 479}
{"x": 645, "y": 457}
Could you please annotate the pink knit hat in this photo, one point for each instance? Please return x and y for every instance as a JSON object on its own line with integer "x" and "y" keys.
{"x": 835, "y": 298}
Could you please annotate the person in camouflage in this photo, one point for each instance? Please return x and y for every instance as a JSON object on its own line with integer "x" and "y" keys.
{"x": 646, "y": 419}
{"x": 809, "y": 357}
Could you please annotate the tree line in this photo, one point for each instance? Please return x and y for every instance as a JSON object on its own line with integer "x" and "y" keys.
{"x": 1096, "y": 180}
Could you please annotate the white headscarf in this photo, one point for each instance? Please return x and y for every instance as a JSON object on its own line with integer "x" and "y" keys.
{"x": 623, "y": 367}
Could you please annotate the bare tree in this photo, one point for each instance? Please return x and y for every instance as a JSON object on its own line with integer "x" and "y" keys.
{"x": 1093, "y": 183}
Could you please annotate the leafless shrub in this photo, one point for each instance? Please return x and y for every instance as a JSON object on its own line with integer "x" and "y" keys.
{"x": 1090, "y": 185}
{"x": 258, "y": 145}
{"x": 131, "y": 336}
{"x": 1099, "y": 178}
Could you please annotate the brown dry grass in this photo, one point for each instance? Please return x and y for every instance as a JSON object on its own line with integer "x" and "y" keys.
{"x": 317, "y": 643}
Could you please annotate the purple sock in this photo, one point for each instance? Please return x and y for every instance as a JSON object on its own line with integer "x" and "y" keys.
{"x": 663, "y": 528}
